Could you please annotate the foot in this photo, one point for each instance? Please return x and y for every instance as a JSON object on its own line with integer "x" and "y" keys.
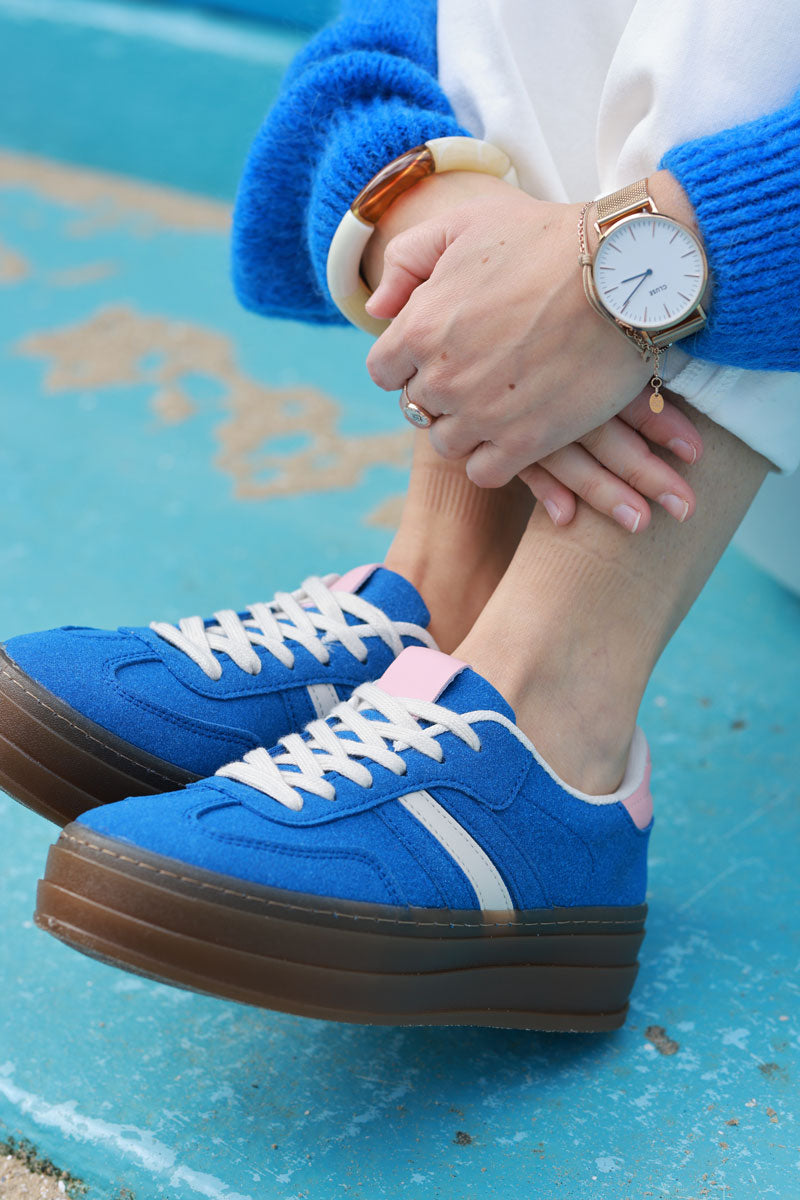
{"x": 409, "y": 860}
{"x": 89, "y": 716}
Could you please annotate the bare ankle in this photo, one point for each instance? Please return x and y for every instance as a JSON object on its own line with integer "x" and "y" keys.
{"x": 580, "y": 722}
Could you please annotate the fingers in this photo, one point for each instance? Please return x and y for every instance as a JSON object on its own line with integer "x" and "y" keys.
{"x": 613, "y": 470}
{"x": 408, "y": 260}
{"x": 556, "y": 498}
{"x": 583, "y": 475}
{"x": 489, "y": 466}
{"x": 448, "y": 436}
{"x": 627, "y": 455}
{"x": 394, "y": 358}
{"x": 670, "y": 428}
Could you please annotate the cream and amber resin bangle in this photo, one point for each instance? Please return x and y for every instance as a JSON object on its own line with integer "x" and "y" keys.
{"x": 347, "y": 287}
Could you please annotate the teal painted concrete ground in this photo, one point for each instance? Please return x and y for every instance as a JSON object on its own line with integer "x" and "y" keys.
{"x": 162, "y": 453}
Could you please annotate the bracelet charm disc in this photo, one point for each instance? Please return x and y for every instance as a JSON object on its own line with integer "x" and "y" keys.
{"x": 656, "y": 400}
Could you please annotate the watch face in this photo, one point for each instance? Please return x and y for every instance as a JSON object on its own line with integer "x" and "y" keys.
{"x": 650, "y": 271}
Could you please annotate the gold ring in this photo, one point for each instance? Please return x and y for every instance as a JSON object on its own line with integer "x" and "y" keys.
{"x": 419, "y": 417}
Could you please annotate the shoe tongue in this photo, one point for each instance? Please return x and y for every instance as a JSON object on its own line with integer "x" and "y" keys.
{"x": 430, "y": 675}
{"x": 387, "y": 590}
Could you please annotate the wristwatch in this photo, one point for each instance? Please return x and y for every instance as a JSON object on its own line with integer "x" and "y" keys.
{"x": 647, "y": 275}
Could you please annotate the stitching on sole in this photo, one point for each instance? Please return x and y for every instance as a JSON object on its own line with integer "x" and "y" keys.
{"x": 84, "y": 733}
{"x": 323, "y": 912}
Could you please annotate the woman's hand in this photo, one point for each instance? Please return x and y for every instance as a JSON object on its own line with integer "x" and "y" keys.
{"x": 613, "y": 468}
{"x": 494, "y": 334}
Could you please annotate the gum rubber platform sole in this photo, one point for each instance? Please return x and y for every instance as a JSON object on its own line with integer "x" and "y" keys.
{"x": 547, "y": 969}
{"x": 59, "y": 763}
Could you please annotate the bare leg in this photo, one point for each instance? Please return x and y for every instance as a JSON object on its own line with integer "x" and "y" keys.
{"x": 573, "y": 631}
{"x": 455, "y": 540}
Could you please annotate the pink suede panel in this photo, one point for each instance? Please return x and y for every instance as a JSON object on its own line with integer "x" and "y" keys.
{"x": 352, "y": 580}
{"x": 640, "y": 803}
{"x": 420, "y": 673}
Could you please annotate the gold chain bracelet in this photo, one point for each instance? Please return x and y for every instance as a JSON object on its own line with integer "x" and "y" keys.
{"x": 649, "y": 352}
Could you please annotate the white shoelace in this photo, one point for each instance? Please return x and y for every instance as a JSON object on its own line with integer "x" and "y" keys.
{"x": 304, "y": 760}
{"x": 287, "y": 618}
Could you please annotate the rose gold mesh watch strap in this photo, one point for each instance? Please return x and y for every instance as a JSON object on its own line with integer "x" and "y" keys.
{"x": 626, "y": 200}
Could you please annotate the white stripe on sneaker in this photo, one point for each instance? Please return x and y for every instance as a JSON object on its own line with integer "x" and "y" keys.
{"x": 479, "y": 869}
{"x": 323, "y": 696}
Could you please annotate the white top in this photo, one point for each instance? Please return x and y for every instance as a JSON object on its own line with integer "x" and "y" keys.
{"x": 587, "y": 97}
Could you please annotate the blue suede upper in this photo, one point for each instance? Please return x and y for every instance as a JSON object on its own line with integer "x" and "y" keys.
{"x": 137, "y": 685}
{"x": 551, "y": 847}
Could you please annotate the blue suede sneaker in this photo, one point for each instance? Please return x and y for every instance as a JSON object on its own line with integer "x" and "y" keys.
{"x": 408, "y": 860}
{"x": 89, "y": 716}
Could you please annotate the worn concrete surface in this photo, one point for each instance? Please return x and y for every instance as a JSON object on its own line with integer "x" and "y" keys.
{"x": 154, "y": 461}
{"x": 17, "y": 1182}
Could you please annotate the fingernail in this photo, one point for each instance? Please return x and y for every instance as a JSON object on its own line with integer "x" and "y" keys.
{"x": 627, "y": 516}
{"x": 553, "y": 511}
{"x": 684, "y": 450}
{"x": 675, "y": 506}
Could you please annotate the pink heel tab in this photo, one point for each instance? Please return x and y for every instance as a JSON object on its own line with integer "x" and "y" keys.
{"x": 352, "y": 580}
{"x": 420, "y": 673}
{"x": 640, "y": 801}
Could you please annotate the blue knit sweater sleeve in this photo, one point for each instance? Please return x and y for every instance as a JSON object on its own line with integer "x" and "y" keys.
{"x": 360, "y": 93}
{"x": 744, "y": 185}
{"x": 365, "y": 89}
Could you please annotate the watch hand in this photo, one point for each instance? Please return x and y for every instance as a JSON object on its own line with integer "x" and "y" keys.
{"x": 649, "y": 271}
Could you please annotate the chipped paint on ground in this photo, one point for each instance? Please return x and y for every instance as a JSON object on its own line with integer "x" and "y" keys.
{"x": 664, "y": 1044}
{"x": 26, "y": 1175}
{"x": 106, "y": 202}
{"x": 118, "y": 346}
